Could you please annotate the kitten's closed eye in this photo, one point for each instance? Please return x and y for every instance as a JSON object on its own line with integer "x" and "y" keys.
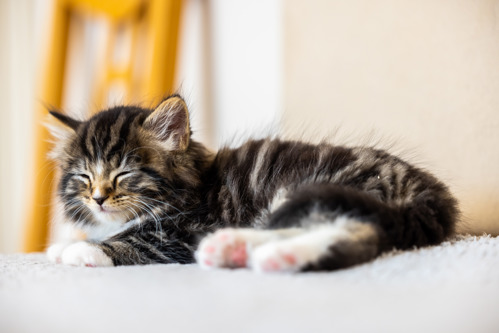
{"x": 118, "y": 176}
{"x": 84, "y": 178}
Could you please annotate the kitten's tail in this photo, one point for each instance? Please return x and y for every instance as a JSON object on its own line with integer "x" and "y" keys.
{"x": 372, "y": 226}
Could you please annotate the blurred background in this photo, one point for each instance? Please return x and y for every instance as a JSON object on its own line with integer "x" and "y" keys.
{"x": 418, "y": 77}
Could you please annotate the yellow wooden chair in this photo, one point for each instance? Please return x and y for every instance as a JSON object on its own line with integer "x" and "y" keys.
{"x": 154, "y": 25}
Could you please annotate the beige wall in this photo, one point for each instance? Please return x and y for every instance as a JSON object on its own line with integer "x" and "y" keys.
{"x": 229, "y": 50}
{"x": 422, "y": 74}
{"x": 17, "y": 65}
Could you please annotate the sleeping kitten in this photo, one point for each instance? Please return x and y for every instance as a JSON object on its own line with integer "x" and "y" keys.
{"x": 145, "y": 192}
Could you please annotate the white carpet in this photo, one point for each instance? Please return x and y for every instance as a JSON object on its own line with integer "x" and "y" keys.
{"x": 449, "y": 288}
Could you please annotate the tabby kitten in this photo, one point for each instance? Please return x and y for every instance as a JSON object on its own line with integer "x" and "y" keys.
{"x": 145, "y": 193}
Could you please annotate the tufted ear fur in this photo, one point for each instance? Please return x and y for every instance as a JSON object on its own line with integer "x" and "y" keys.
{"x": 61, "y": 131}
{"x": 65, "y": 128}
{"x": 169, "y": 124}
{"x": 66, "y": 120}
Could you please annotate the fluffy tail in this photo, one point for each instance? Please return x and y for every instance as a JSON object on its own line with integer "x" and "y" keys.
{"x": 425, "y": 219}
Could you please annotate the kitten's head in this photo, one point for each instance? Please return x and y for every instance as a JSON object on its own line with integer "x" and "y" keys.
{"x": 126, "y": 162}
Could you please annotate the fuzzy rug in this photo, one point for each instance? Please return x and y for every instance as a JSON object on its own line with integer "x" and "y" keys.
{"x": 453, "y": 287}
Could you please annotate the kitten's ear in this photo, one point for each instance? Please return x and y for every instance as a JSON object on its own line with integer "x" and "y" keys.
{"x": 61, "y": 131}
{"x": 169, "y": 123}
{"x": 66, "y": 120}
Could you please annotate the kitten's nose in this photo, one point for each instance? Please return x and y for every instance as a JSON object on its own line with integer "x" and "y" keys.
{"x": 100, "y": 200}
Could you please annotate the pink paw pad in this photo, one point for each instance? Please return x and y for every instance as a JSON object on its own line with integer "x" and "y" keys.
{"x": 209, "y": 249}
{"x": 289, "y": 258}
{"x": 238, "y": 255}
{"x": 271, "y": 265}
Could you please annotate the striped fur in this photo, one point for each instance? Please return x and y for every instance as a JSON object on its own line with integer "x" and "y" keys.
{"x": 147, "y": 193}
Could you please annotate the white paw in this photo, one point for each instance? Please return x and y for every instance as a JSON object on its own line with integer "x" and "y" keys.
{"x": 85, "y": 254}
{"x": 54, "y": 252}
{"x": 293, "y": 254}
{"x": 224, "y": 248}
{"x": 233, "y": 247}
{"x": 281, "y": 256}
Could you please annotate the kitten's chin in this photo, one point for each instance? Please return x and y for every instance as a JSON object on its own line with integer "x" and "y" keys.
{"x": 109, "y": 216}
{"x": 108, "y": 223}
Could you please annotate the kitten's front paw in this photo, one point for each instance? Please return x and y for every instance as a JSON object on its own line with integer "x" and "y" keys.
{"x": 85, "y": 254}
{"x": 54, "y": 252}
{"x": 224, "y": 248}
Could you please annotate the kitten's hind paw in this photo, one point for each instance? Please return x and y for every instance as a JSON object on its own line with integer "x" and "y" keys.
{"x": 85, "y": 254}
{"x": 233, "y": 248}
{"x": 224, "y": 248}
{"x": 279, "y": 257}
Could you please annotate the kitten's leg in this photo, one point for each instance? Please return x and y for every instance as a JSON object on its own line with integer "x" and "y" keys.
{"x": 344, "y": 243}
{"x": 129, "y": 248}
{"x": 85, "y": 254}
{"x": 232, "y": 247}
